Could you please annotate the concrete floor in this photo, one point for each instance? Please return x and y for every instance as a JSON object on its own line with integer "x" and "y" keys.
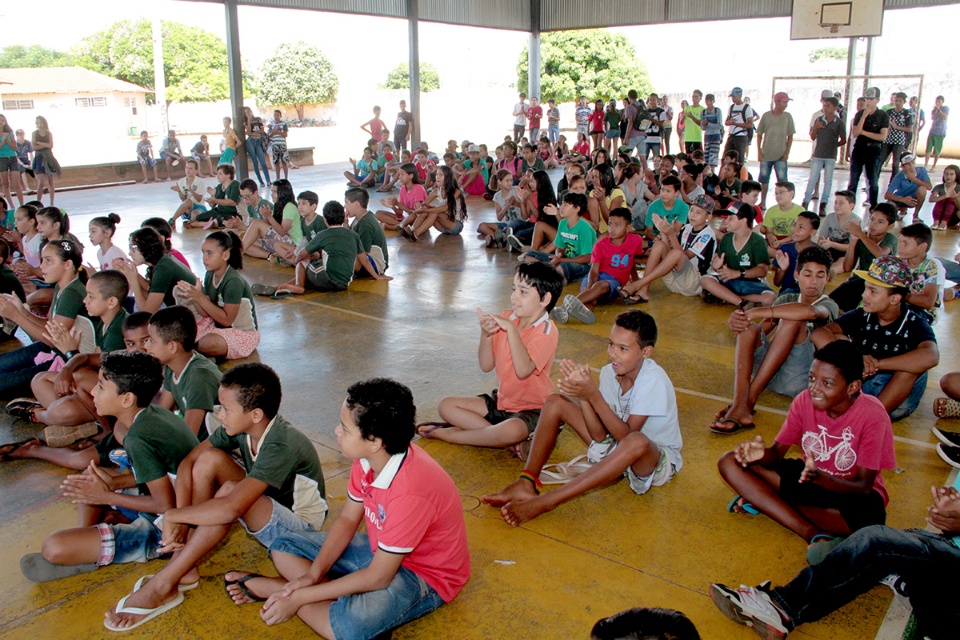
{"x": 553, "y": 577}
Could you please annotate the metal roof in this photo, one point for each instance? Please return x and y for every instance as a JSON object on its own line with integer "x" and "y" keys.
{"x": 561, "y": 15}
{"x": 62, "y": 80}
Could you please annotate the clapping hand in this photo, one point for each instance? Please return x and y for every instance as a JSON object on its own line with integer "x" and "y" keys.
{"x": 60, "y": 337}
{"x": 746, "y": 453}
{"x": 488, "y": 322}
{"x": 90, "y": 487}
{"x": 783, "y": 260}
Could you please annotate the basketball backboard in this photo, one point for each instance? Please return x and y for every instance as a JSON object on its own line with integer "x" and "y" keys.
{"x": 814, "y": 19}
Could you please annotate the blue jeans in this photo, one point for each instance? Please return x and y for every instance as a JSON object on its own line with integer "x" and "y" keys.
{"x": 571, "y": 270}
{"x": 951, "y": 268}
{"x": 365, "y": 615}
{"x": 255, "y": 151}
{"x": 870, "y": 164}
{"x": 780, "y": 166}
{"x": 17, "y": 369}
{"x": 613, "y": 283}
{"x": 553, "y": 133}
{"x": 827, "y": 165}
{"x": 874, "y": 386}
{"x": 928, "y": 563}
{"x": 649, "y": 147}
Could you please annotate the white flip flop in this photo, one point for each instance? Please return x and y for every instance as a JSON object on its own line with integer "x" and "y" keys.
{"x": 182, "y": 588}
{"x": 149, "y": 614}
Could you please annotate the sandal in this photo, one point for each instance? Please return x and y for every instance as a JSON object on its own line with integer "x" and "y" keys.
{"x": 745, "y": 507}
{"x": 10, "y": 447}
{"x": 737, "y": 426}
{"x": 564, "y": 472}
{"x": 433, "y": 427}
{"x": 629, "y": 298}
{"x": 946, "y": 408}
{"x": 242, "y": 584}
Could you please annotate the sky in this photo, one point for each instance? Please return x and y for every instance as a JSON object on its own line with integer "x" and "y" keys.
{"x": 679, "y": 57}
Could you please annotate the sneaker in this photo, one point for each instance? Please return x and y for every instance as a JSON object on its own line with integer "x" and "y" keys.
{"x": 23, "y": 408}
{"x": 597, "y": 451}
{"x": 823, "y": 210}
{"x": 578, "y": 310}
{"x": 120, "y": 458}
{"x": 514, "y": 244}
{"x": 899, "y": 587}
{"x": 490, "y": 242}
{"x": 951, "y": 438}
{"x": 805, "y": 204}
{"x": 499, "y": 239}
{"x": 57, "y": 436}
{"x": 560, "y": 314}
{"x": 752, "y": 607}
{"x": 949, "y": 454}
{"x": 404, "y": 231}
{"x": 709, "y": 298}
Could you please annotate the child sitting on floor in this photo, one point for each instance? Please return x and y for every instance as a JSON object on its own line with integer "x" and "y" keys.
{"x": 785, "y": 259}
{"x": 147, "y": 247}
{"x": 630, "y": 423}
{"x": 444, "y": 209}
{"x": 509, "y": 205}
{"x": 740, "y": 264}
{"x": 507, "y": 416}
{"x": 403, "y": 206}
{"x": 846, "y": 440}
{"x": 102, "y": 230}
{"x": 574, "y": 240}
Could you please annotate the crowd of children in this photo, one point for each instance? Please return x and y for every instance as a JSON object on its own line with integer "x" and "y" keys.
{"x": 117, "y": 351}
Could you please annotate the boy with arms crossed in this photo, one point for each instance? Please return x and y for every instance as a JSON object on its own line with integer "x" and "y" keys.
{"x": 278, "y": 490}
{"x": 630, "y": 423}
{"x": 116, "y": 523}
{"x": 741, "y": 264}
{"x": 520, "y": 345}
{"x": 774, "y": 349}
{"x": 413, "y": 557}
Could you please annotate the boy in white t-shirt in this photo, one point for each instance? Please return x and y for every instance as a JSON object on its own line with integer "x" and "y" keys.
{"x": 192, "y": 190}
{"x": 630, "y": 423}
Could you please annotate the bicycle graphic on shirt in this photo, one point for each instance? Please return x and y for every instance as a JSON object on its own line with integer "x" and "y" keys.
{"x": 817, "y": 445}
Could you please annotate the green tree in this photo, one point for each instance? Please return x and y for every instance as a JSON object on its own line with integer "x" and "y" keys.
{"x": 592, "y": 62}
{"x": 399, "y": 78}
{"x": 33, "y": 57}
{"x": 828, "y": 53}
{"x": 194, "y": 60}
{"x": 297, "y": 75}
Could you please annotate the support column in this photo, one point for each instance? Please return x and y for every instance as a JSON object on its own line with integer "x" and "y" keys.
{"x": 533, "y": 58}
{"x": 235, "y": 76}
{"x": 868, "y": 65}
{"x": 413, "y": 22}
{"x": 159, "y": 78}
{"x": 849, "y": 99}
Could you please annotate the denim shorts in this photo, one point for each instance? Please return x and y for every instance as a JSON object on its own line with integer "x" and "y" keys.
{"x": 794, "y": 374}
{"x": 874, "y": 385}
{"x": 746, "y": 287}
{"x": 282, "y": 521}
{"x": 768, "y": 166}
{"x": 134, "y": 542}
{"x": 457, "y": 228}
{"x": 609, "y": 279}
{"x": 365, "y": 615}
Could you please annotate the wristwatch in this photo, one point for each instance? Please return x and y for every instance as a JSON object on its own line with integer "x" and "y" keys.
{"x": 743, "y": 274}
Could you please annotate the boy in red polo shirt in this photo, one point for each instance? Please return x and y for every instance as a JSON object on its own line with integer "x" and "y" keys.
{"x": 520, "y": 345}
{"x": 413, "y": 557}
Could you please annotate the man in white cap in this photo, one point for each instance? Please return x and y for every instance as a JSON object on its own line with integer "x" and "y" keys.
{"x": 740, "y": 119}
{"x": 774, "y": 139}
{"x": 909, "y": 188}
{"x": 870, "y": 128}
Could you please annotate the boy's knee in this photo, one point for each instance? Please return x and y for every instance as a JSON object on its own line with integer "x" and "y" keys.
{"x": 207, "y": 462}
{"x": 56, "y": 548}
{"x": 727, "y": 463}
{"x": 225, "y": 489}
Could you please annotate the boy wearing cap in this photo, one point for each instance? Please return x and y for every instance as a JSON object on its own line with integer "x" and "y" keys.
{"x": 680, "y": 260}
{"x": 897, "y": 344}
{"x": 828, "y": 134}
{"x": 909, "y": 187}
{"x": 901, "y": 123}
{"x": 741, "y": 264}
{"x": 870, "y": 128}
{"x": 774, "y": 139}
{"x": 740, "y": 119}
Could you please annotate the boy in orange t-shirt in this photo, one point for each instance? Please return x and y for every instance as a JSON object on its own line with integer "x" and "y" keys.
{"x": 520, "y": 345}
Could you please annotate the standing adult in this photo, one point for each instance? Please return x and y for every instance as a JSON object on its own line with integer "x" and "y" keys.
{"x": 655, "y": 131}
{"x": 520, "y": 117}
{"x": 534, "y": 115}
{"x": 740, "y": 121}
{"x": 901, "y": 123}
{"x": 9, "y": 164}
{"x": 171, "y": 153}
{"x": 938, "y": 131}
{"x": 44, "y": 164}
{"x": 668, "y": 123}
{"x": 693, "y": 133}
{"x": 403, "y": 129}
{"x": 253, "y": 128}
{"x": 870, "y": 128}
{"x": 828, "y": 133}
{"x": 774, "y": 139}
{"x": 636, "y": 134}
{"x": 597, "y": 125}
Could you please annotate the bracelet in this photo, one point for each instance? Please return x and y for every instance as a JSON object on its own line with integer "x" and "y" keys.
{"x": 70, "y": 354}
{"x": 529, "y": 477}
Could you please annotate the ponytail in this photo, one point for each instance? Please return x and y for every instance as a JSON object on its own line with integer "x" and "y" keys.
{"x": 229, "y": 241}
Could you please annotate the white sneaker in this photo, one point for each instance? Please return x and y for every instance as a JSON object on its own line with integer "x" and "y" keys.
{"x": 560, "y": 314}
{"x": 899, "y": 587}
{"x": 751, "y": 607}
{"x": 579, "y": 310}
{"x": 514, "y": 244}
{"x": 597, "y": 451}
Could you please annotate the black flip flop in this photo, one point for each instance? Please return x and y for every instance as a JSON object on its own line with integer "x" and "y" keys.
{"x": 10, "y": 447}
{"x": 737, "y": 427}
{"x": 242, "y": 583}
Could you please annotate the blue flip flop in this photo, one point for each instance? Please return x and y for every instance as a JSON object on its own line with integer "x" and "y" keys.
{"x": 746, "y": 506}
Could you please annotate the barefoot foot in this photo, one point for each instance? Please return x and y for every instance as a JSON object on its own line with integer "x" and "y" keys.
{"x": 517, "y": 490}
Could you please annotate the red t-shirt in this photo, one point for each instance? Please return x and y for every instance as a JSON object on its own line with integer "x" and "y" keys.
{"x": 533, "y": 115}
{"x": 617, "y": 259}
{"x": 413, "y": 508}
{"x": 596, "y": 122}
{"x": 540, "y": 339}
{"x": 734, "y": 206}
{"x": 861, "y": 437}
{"x": 583, "y": 148}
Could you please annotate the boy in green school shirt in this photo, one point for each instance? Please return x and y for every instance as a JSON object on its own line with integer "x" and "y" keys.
{"x": 864, "y": 248}
{"x": 190, "y": 380}
{"x": 223, "y": 200}
{"x": 155, "y": 443}
{"x": 366, "y": 225}
{"x": 574, "y": 240}
{"x": 311, "y": 223}
{"x": 740, "y": 265}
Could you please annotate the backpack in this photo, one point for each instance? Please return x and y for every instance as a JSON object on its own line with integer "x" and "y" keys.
{"x": 642, "y": 120}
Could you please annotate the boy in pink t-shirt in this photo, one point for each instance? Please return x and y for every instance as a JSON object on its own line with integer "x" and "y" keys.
{"x": 507, "y": 416}
{"x": 415, "y": 541}
{"x": 612, "y": 265}
{"x": 846, "y": 439}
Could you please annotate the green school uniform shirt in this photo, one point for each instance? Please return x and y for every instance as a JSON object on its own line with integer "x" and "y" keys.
{"x": 577, "y": 240}
{"x": 196, "y": 387}
{"x": 371, "y": 233}
{"x": 231, "y": 192}
{"x": 287, "y": 462}
{"x": 68, "y": 302}
{"x": 780, "y": 222}
{"x": 865, "y": 258}
{"x": 165, "y": 275}
{"x": 156, "y": 443}
{"x": 536, "y": 166}
{"x": 10, "y": 283}
{"x": 753, "y": 253}
{"x": 341, "y": 247}
{"x": 110, "y": 338}
{"x": 232, "y": 289}
{"x": 310, "y": 231}
{"x": 253, "y": 211}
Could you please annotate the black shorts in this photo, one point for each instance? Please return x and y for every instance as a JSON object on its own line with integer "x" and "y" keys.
{"x": 858, "y": 511}
{"x": 529, "y": 417}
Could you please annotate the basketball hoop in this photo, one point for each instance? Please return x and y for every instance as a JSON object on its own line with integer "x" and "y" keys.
{"x": 832, "y": 27}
